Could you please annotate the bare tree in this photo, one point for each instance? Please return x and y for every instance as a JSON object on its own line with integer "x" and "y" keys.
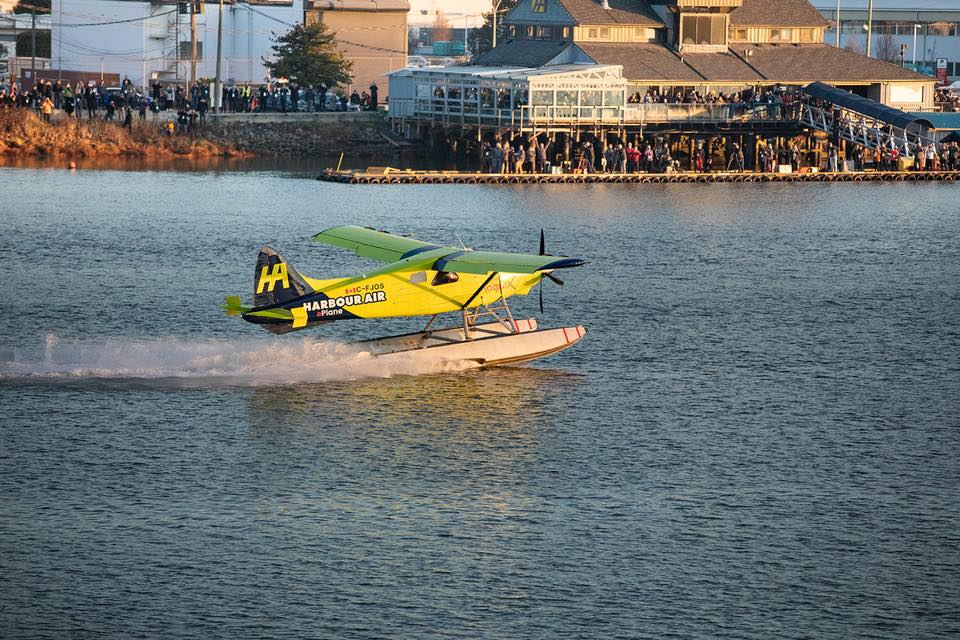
{"x": 853, "y": 44}
{"x": 886, "y": 48}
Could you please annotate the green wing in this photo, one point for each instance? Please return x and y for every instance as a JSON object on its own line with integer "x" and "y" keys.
{"x": 490, "y": 261}
{"x": 369, "y": 243}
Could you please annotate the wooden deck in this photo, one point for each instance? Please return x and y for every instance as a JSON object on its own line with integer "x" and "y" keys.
{"x": 398, "y": 176}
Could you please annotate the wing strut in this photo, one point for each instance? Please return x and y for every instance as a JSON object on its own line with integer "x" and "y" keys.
{"x": 463, "y": 309}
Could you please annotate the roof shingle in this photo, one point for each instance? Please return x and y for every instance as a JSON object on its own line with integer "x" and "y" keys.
{"x": 804, "y": 63}
{"x": 523, "y": 53}
{"x": 627, "y": 12}
{"x": 776, "y": 13}
{"x": 642, "y": 61}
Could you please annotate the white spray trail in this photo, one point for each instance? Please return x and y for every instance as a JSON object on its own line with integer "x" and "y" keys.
{"x": 270, "y": 361}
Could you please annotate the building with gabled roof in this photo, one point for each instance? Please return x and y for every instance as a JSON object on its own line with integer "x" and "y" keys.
{"x": 707, "y": 45}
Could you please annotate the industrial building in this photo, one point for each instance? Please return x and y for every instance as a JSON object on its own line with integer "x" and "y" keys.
{"x": 928, "y": 31}
{"x": 153, "y": 40}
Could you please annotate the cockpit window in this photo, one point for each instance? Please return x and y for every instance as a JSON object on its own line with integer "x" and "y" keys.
{"x": 445, "y": 277}
{"x": 418, "y": 277}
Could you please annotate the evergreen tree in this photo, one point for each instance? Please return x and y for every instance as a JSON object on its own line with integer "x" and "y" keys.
{"x": 483, "y": 36}
{"x": 309, "y": 54}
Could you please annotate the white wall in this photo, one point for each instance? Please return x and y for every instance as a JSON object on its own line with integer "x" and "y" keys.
{"x": 130, "y": 49}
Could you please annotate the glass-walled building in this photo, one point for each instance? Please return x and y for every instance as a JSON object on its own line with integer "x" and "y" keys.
{"x": 929, "y": 31}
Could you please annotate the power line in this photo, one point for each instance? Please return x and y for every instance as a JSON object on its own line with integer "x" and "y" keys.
{"x": 99, "y": 24}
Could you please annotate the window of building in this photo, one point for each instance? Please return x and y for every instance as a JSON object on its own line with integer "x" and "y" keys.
{"x": 593, "y": 33}
{"x": 940, "y": 28}
{"x": 186, "y": 49}
{"x": 604, "y": 33}
{"x": 644, "y": 34}
{"x": 781, "y": 35}
{"x": 565, "y": 33}
{"x": 531, "y": 30}
{"x": 590, "y": 98}
{"x": 703, "y": 28}
{"x": 544, "y": 33}
{"x": 739, "y": 35}
{"x": 512, "y": 31}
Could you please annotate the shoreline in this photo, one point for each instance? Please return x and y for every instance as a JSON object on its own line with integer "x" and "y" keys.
{"x": 24, "y": 134}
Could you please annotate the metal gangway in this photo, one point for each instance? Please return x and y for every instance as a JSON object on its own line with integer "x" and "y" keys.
{"x": 861, "y": 120}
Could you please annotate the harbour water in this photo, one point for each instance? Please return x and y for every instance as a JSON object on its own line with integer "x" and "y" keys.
{"x": 757, "y": 438}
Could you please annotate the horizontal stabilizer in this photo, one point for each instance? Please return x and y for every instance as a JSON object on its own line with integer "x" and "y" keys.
{"x": 233, "y": 306}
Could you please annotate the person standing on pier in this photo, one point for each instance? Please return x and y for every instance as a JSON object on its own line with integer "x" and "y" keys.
{"x": 832, "y": 158}
{"x": 542, "y": 157}
{"x": 374, "y": 94}
{"x": 497, "y": 158}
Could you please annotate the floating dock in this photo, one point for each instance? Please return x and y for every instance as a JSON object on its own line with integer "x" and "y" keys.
{"x": 399, "y": 176}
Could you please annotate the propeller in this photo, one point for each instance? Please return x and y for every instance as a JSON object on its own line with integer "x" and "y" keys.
{"x": 555, "y": 279}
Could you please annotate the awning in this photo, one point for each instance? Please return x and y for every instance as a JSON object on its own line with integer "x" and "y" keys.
{"x": 945, "y": 121}
{"x": 865, "y": 106}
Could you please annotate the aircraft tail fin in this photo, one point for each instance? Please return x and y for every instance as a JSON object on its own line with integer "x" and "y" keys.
{"x": 275, "y": 280}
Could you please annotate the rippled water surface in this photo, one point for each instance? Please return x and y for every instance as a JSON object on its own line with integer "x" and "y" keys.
{"x": 758, "y": 437}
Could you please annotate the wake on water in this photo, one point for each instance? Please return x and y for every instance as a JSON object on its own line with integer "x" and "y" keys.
{"x": 268, "y": 361}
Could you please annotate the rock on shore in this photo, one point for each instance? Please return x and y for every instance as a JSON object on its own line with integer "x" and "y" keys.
{"x": 24, "y": 133}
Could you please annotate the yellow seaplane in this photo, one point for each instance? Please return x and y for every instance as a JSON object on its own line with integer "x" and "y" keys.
{"x": 419, "y": 279}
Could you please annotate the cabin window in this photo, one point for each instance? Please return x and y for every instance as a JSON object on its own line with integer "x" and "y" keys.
{"x": 444, "y": 277}
{"x": 417, "y": 277}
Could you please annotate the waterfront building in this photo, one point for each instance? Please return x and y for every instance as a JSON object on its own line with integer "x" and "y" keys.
{"x": 598, "y": 54}
{"x": 928, "y": 31}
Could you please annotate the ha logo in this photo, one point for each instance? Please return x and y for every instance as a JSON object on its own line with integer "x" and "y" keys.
{"x": 269, "y": 279}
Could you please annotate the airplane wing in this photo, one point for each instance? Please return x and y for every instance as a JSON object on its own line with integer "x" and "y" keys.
{"x": 369, "y": 243}
{"x": 481, "y": 262}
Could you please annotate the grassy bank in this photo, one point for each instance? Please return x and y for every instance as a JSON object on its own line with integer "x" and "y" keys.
{"x": 23, "y": 133}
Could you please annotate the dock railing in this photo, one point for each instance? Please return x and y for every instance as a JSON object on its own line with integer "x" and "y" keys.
{"x": 526, "y": 117}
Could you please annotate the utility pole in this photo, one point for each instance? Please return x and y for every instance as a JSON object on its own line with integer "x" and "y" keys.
{"x": 217, "y": 91}
{"x": 33, "y": 44}
{"x": 869, "y": 26}
{"x": 838, "y": 24}
{"x": 193, "y": 44}
{"x": 496, "y": 7}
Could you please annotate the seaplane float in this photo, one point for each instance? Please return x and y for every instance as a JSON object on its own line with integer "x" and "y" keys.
{"x": 419, "y": 279}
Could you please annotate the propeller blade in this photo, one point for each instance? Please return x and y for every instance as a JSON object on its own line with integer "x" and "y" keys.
{"x": 541, "y": 296}
{"x": 543, "y": 247}
{"x": 554, "y": 278}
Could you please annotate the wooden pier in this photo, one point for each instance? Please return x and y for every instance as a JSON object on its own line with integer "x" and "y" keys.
{"x": 400, "y": 176}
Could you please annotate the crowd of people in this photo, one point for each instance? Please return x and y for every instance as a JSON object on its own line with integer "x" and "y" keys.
{"x": 948, "y": 101}
{"x": 778, "y": 102}
{"x": 94, "y": 99}
{"x": 659, "y": 155}
{"x": 287, "y": 97}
